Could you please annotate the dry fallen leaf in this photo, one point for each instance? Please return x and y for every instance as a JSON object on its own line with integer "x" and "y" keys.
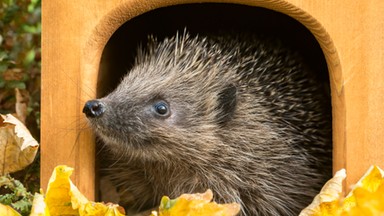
{"x": 195, "y": 205}
{"x": 17, "y": 146}
{"x": 328, "y": 198}
{"x": 63, "y": 198}
{"x": 366, "y": 197}
{"x": 21, "y": 105}
{"x": 8, "y": 211}
{"x": 39, "y": 208}
{"x": 102, "y": 209}
{"x": 57, "y": 198}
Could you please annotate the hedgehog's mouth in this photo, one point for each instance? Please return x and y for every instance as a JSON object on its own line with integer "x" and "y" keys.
{"x": 117, "y": 138}
{"x": 105, "y": 133}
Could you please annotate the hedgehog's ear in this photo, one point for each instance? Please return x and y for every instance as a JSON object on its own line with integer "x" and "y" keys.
{"x": 226, "y": 104}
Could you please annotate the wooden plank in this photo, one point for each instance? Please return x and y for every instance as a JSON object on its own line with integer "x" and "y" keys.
{"x": 356, "y": 30}
{"x": 70, "y": 61}
{"x": 63, "y": 134}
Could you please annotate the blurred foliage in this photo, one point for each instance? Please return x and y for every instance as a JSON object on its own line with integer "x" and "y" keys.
{"x": 20, "y": 64}
{"x": 17, "y": 196}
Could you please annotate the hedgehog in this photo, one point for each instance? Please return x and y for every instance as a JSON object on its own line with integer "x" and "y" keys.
{"x": 242, "y": 115}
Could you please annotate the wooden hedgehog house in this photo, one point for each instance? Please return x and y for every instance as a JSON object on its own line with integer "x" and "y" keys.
{"x": 81, "y": 61}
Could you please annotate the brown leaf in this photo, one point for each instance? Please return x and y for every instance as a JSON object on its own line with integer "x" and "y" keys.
{"x": 13, "y": 74}
{"x": 21, "y": 105}
{"x": 17, "y": 146}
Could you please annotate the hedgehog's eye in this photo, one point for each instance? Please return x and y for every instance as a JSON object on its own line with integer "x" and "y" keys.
{"x": 161, "y": 108}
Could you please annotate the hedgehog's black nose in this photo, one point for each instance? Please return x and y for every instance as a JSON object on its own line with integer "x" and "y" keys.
{"x": 93, "y": 108}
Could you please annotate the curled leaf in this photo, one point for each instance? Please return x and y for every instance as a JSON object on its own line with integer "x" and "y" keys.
{"x": 196, "y": 205}
{"x": 365, "y": 198}
{"x": 17, "y": 146}
{"x": 326, "y": 202}
{"x": 8, "y": 211}
{"x": 39, "y": 208}
{"x": 58, "y": 198}
{"x": 63, "y": 198}
{"x": 21, "y": 105}
{"x": 102, "y": 209}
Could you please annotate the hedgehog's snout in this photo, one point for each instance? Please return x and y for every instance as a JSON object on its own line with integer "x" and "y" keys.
{"x": 94, "y": 109}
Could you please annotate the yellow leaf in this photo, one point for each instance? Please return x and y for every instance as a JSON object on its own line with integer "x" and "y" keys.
{"x": 6, "y": 210}
{"x": 372, "y": 179}
{"x": 196, "y": 205}
{"x": 366, "y": 197}
{"x": 367, "y": 202}
{"x": 63, "y": 198}
{"x": 39, "y": 208}
{"x": 77, "y": 198}
{"x": 327, "y": 201}
{"x": 102, "y": 209}
{"x": 17, "y": 146}
{"x": 58, "y": 197}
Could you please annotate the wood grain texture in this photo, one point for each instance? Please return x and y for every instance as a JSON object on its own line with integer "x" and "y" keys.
{"x": 75, "y": 33}
{"x": 356, "y": 30}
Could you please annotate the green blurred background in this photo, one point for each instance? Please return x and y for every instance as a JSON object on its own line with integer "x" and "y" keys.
{"x": 20, "y": 64}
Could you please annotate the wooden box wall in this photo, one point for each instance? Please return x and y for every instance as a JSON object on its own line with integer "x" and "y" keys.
{"x": 75, "y": 32}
